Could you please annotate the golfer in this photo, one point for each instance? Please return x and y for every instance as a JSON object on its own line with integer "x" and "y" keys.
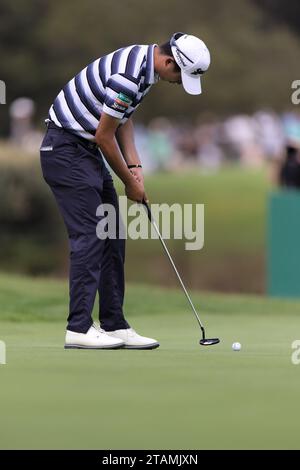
{"x": 91, "y": 118}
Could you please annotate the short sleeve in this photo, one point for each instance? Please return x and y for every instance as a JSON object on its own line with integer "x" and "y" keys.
{"x": 121, "y": 93}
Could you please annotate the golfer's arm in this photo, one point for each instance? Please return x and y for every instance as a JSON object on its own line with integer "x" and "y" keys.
{"x": 106, "y": 139}
{"x": 125, "y": 138}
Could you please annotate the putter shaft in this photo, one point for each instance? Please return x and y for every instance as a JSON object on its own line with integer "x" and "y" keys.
{"x": 151, "y": 219}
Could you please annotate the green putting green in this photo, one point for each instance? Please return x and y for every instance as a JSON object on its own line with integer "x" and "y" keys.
{"x": 180, "y": 396}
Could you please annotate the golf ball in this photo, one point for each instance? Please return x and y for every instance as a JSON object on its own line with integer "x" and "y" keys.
{"x": 236, "y": 346}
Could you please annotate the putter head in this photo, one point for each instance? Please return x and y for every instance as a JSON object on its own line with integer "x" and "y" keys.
{"x": 209, "y": 341}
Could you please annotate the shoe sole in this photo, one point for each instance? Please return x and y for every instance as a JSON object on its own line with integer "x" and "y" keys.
{"x": 150, "y": 346}
{"x": 77, "y": 346}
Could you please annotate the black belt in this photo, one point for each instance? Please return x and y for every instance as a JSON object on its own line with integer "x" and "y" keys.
{"x": 87, "y": 143}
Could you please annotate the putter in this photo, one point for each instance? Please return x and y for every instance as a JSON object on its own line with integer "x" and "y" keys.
{"x": 203, "y": 341}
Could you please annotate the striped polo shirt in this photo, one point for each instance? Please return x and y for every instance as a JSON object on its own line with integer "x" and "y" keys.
{"x": 114, "y": 84}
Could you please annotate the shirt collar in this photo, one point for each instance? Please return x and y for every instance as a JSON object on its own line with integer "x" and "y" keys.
{"x": 151, "y": 77}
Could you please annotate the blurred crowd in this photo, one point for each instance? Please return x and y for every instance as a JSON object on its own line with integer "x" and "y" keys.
{"x": 209, "y": 144}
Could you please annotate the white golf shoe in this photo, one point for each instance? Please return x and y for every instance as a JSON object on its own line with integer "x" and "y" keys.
{"x": 95, "y": 338}
{"x": 132, "y": 340}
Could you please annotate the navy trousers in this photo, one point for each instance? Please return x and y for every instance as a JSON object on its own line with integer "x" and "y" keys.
{"x": 75, "y": 171}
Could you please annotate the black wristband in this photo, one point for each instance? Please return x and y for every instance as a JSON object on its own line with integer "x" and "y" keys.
{"x": 134, "y": 166}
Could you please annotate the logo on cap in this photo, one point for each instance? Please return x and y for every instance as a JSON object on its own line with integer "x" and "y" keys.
{"x": 180, "y": 58}
{"x": 197, "y": 72}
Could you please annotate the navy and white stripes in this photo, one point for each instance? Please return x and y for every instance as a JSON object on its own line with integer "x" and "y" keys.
{"x": 114, "y": 84}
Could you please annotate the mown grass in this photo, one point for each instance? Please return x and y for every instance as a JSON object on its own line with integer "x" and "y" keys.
{"x": 180, "y": 396}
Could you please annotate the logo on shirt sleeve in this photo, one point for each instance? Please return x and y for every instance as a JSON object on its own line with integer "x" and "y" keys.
{"x": 122, "y": 102}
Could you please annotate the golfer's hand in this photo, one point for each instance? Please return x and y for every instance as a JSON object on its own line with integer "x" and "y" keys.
{"x": 138, "y": 174}
{"x": 135, "y": 191}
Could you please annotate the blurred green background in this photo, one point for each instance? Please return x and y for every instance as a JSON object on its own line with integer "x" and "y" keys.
{"x": 234, "y": 248}
{"x": 254, "y": 47}
{"x": 181, "y": 395}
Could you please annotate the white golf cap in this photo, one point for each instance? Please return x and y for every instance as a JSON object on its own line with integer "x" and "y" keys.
{"x": 193, "y": 58}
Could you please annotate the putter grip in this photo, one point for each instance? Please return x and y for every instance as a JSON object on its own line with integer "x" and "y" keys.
{"x": 148, "y": 210}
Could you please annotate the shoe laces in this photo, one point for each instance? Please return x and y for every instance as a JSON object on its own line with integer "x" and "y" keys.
{"x": 98, "y": 328}
{"x": 132, "y": 332}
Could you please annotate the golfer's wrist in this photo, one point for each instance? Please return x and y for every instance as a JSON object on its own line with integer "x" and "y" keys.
{"x": 134, "y": 165}
{"x": 129, "y": 180}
